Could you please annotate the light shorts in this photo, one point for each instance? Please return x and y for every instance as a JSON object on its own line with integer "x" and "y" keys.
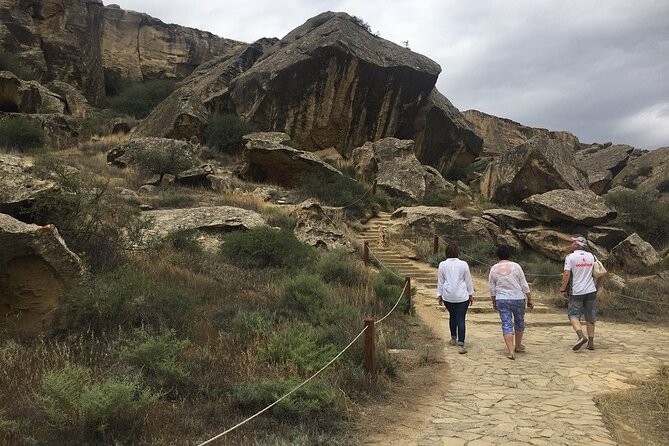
{"x": 584, "y": 304}
{"x": 512, "y": 314}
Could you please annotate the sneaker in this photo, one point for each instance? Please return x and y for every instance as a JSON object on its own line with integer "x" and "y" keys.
{"x": 520, "y": 348}
{"x": 453, "y": 342}
{"x": 462, "y": 349}
{"x": 590, "y": 346}
{"x": 580, "y": 343}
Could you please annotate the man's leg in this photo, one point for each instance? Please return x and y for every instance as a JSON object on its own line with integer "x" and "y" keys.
{"x": 575, "y": 311}
{"x": 590, "y": 305}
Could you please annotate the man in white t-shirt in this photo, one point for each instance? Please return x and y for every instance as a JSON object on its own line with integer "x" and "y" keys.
{"x": 579, "y": 289}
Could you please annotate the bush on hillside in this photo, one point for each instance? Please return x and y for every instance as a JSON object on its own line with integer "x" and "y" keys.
{"x": 336, "y": 190}
{"x": 264, "y": 247}
{"x": 163, "y": 160}
{"x": 337, "y": 266}
{"x": 224, "y": 132}
{"x": 643, "y": 214}
{"x": 138, "y": 99}
{"x": 300, "y": 347}
{"x": 388, "y": 287}
{"x": 18, "y": 133}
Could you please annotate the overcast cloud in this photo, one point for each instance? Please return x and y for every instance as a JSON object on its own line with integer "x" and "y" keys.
{"x": 598, "y": 69}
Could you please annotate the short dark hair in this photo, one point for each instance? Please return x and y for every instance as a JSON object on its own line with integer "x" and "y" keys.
{"x": 503, "y": 252}
{"x": 452, "y": 251}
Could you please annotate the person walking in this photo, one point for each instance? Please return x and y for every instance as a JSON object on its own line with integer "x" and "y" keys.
{"x": 579, "y": 289}
{"x": 455, "y": 290}
{"x": 508, "y": 288}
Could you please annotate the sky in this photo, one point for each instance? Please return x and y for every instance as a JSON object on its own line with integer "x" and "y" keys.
{"x": 596, "y": 68}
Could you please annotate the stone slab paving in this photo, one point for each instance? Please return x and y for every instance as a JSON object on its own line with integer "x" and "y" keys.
{"x": 545, "y": 396}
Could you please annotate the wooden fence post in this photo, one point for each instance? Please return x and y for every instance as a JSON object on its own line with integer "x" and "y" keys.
{"x": 365, "y": 253}
{"x": 369, "y": 345}
{"x": 435, "y": 244}
{"x": 407, "y": 293}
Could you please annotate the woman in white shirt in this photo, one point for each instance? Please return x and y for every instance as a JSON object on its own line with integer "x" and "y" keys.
{"x": 508, "y": 288}
{"x": 455, "y": 290}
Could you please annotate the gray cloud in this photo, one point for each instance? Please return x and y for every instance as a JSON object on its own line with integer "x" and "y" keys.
{"x": 596, "y": 69}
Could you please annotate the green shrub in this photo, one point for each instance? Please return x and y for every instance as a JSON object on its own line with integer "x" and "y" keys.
{"x": 315, "y": 400}
{"x": 338, "y": 190}
{"x": 12, "y": 62}
{"x": 306, "y": 292}
{"x": 163, "y": 160}
{"x": 438, "y": 197}
{"x": 115, "y": 83}
{"x": 337, "y": 266}
{"x": 300, "y": 347}
{"x": 263, "y": 247}
{"x": 185, "y": 241}
{"x": 663, "y": 186}
{"x": 112, "y": 408}
{"x": 388, "y": 288}
{"x": 138, "y": 99}
{"x": 643, "y": 214}
{"x": 247, "y": 326}
{"x": 158, "y": 357}
{"x": 224, "y": 132}
{"x": 479, "y": 252}
{"x": 18, "y": 133}
{"x": 280, "y": 218}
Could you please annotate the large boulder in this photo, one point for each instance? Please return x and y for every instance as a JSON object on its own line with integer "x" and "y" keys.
{"x": 141, "y": 47}
{"x": 18, "y": 186}
{"x": 271, "y": 162}
{"x": 606, "y": 236}
{"x": 648, "y": 173}
{"x": 315, "y": 228}
{"x": 547, "y": 241}
{"x": 129, "y": 153}
{"x": 18, "y": 96}
{"x": 35, "y": 263}
{"x": 537, "y": 166}
{"x": 60, "y": 131}
{"x": 75, "y": 103}
{"x": 501, "y": 134}
{"x": 635, "y": 254}
{"x": 602, "y": 163}
{"x": 583, "y": 207}
{"x": 509, "y": 218}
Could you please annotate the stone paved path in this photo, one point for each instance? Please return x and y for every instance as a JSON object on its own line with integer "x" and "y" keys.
{"x": 544, "y": 397}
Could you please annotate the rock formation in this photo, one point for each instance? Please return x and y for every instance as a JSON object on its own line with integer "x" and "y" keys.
{"x": 128, "y": 153}
{"x": 601, "y": 164}
{"x": 315, "y": 228}
{"x": 564, "y": 205}
{"x": 635, "y": 254}
{"x": 648, "y": 173}
{"x": 18, "y": 186}
{"x": 20, "y": 96}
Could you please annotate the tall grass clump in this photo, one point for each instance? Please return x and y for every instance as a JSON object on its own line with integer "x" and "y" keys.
{"x": 224, "y": 132}
{"x": 338, "y": 190}
{"x": 109, "y": 409}
{"x": 138, "y": 99}
{"x": 649, "y": 302}
{"x": 388, "y": 287}
{"x": 21, "y": 134}
{"x": 642, "y": 213}
{"x": 264, "y": 247}
{"x": 300, "y": 347}
{"x": 337, "y": 266}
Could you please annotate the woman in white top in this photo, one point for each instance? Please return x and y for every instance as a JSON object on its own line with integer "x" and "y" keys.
{"x": 455, "y": 290}
{"x": 508, "y": 288}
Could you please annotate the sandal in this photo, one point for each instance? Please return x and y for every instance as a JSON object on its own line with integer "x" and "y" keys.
{"x": 511, "y": 356}
{"x": 520, "y": 348}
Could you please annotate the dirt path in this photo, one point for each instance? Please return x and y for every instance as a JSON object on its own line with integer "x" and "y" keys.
{"x": 544, "y": 397}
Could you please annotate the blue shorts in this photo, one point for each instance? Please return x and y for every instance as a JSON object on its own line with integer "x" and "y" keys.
{"x": 512, "y": 314}
{"x": 584, "y": 304}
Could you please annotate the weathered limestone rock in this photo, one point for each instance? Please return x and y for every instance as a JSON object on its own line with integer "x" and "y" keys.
{"x": 18, "y": 96}
{"x": 434, "y": 181}
{"x": 18, "y": 186}
{"x": 197, "y": 176}
{"x": 635, "y": 254}
{"x": 57, "y": 39}
{"x": 606, "y": 236}
{"x": 330, "y": 155}
{"x": 142, "y": 47}
{"x": 211, "y": 219}
{"x": 120, "y": 126}
{"x": 75, "y": 103}
{"x": 421, "y": 222}
{"x": 648, "y": 173}
{"x": 549, "y": 242}
{"x": 34, "y": 265}
{"x": 601, "y": 164}
{"x": 315, "y": 229}
{"x": 126, "y": 153}
{"x": 564, "y": 205}
{"x": 182, "y": 115}
{"x": 537, "y": 166}
{"x": 269, "y": 162}
{"x": 509, "y": 218}
{"x": 501, "y": 134}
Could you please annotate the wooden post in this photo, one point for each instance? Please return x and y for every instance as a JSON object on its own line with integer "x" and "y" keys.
{"x": 407, "y": 293}
{"x": 374, "y": 187}
{"x": 369, "y": 345}
{"x": 435, "y": 244}
{"x": 365, "y": 253}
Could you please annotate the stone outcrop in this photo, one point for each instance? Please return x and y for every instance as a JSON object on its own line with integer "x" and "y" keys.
{"x": 182, "y": 115}
{"x": 601, "y": 164}
{"x": 509, "y": 218}
{"x": 60, "y": 131}
{"x": 141, "y": 47}
{"x": 550, "y": 242}
{"x": 563, "y": 205}
{"x": 501, "y": 134}
{"x": 57, "y": 39}
{"x": 20, "y": 96}
{"x": 210, "y": 219}
{"x": 648, "y": 173}
{"x": 75, "y": 103}
{"x": 126, "y": 153}
{"x": 537, "y": 166}
{"x": 315, "y": 228}
{"x": 635, "y": 254}
{"x": 606, "y": 236}
{"x": 18, "y": 186}
{"x": 34, "y": 265}
{"x": 269, "y": 162}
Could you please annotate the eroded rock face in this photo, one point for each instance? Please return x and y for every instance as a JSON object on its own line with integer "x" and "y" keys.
{"x": 315, "y": 229}
{"x": 126, "y": 153}
{"x": 269, "y": 162}
{"x": 537, "y": 166}
{"x": 57, "y": 39}
{"x": 501, "y": 134}
{"x": 601, "y": 164}
{"x": 139, "y": 46}
{"x": 76, "y": 104}
{"x": 18, "y": 186}
{"x": 648, "y": 173}
{"x": 549, "y": 242}
{"x": 635, "y": 254}
{"x": 20, "y": 96}
{"x": 564, "y": 205}
{"x": 34, "y": 265}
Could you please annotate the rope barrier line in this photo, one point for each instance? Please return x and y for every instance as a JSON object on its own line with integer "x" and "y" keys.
{"x": 286, "y": 395}
{"x": 361, "y": 197}
{"x": 636, "y": 298}
{"x": 384, "y": 266}
{"x": 394, "y": 306}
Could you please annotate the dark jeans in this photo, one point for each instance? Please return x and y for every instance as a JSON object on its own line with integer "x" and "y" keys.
{"x": 456, "y": 320}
